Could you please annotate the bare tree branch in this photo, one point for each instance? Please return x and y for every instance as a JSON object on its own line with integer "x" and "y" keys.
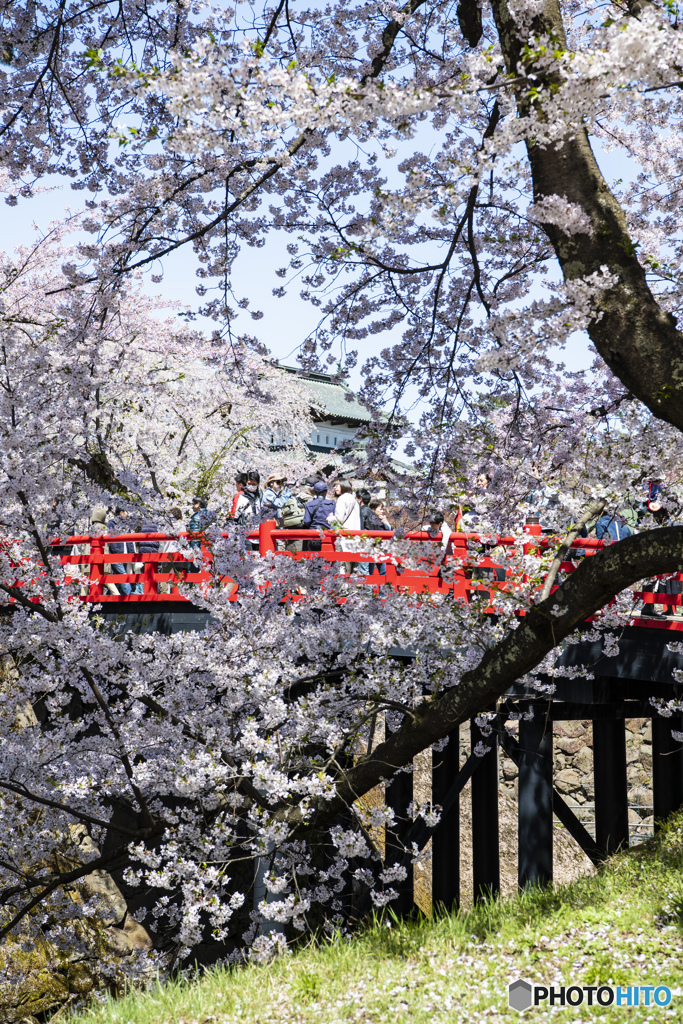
{"x": 66, "y": 878}
{"x": 81, "y": 815}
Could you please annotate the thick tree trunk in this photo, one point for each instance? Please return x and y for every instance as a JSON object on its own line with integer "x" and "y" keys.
{"x": 637, "y": 339}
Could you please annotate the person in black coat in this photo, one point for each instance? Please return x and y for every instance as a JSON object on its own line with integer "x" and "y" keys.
{"x": 316, "y": 514}
{"x": 369, "y": 520}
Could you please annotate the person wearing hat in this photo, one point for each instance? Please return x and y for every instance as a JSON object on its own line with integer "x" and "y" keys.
{"x": 99, "y": 516}
{"x": 317, "y": 512}
{"x": 275, "y": 494}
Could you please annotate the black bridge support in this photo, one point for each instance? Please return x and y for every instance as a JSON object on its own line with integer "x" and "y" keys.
{"x": 667, "y": 767}
{"x": 535, "y": 800}
{"x": 399, "y": 793}
{"x": 446, "y": 838}
{"x": 609, "y": 773}
{"x": 485, "y": 854}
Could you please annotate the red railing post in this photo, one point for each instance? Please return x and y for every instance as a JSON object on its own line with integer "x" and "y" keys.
{"x": 461, "y": 583}
{"x": 327, "y": 545}
{"x": 532, "y": 526}
{"x": 96, "y": 566}
{"x": 266, "y": 544}
{"x": 149, "y": 586}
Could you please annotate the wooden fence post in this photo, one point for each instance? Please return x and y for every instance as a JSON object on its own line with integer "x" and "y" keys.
{"x": 399, "y": 794}
{"x": 609, "y": 774}
{"x": 667, "y": 767}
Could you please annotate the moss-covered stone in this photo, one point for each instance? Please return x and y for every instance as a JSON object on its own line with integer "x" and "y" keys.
{"x": 38, "y": 993}
{"x": 38, "y": 977}
{"x": 32, "y": 982}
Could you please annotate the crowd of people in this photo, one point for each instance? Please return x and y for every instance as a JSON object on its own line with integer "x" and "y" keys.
{"x": 315, "y": 504}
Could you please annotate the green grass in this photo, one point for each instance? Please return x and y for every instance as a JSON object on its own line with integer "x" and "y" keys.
{"x": 623, "y": 925}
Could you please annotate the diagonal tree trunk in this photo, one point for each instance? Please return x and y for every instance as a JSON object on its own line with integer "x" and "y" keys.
{"x": 596, "y": 581}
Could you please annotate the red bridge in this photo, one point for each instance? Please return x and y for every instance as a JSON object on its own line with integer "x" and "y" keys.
{"x": 460, "y": 572}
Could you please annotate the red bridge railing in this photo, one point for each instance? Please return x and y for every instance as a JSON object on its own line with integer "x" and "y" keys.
{"x": 461, "y": 572}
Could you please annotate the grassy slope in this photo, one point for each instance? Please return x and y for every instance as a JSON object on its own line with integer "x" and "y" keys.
{"x": 622, "y": 926}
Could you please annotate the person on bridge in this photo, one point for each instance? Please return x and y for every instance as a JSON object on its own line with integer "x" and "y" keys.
{"x": 201, "y": 517}
{"x": 291, "y": 515}
{"x": 172, "y": 545}
{"x": 317, "y": 513}
{"x": 377, "y": 506}
{"x": 240, "y": 481}
{"x": 146, "y": 547}
{"x": 437, "y": 524}
{"x": 275, "y": 495}
{"x": 369, "y": 520}
{"x": 250, "y": 501}
{"x": 98, "y": 525}
{"x": 119, "y": 524}
{"x": 200, "y": 520}
{"x": 346, "y": 516}
{"x": 612, "y": 526}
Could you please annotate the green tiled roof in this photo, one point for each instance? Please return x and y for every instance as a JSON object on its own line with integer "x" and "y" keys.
{"x": 332, "y": 396}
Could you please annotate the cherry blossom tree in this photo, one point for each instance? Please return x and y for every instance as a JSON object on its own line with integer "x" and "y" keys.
{"x": 432, "y": 172}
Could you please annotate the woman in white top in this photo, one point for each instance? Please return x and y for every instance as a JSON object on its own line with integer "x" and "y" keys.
{"x": 346, "y": 515}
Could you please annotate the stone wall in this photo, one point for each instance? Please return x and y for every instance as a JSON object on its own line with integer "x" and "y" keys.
{"x": 573, "y": 769}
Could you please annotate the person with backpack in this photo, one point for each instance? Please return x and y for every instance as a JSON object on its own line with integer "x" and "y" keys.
{"x": 612, "y": 526}
{"x": 291, "y": 515}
